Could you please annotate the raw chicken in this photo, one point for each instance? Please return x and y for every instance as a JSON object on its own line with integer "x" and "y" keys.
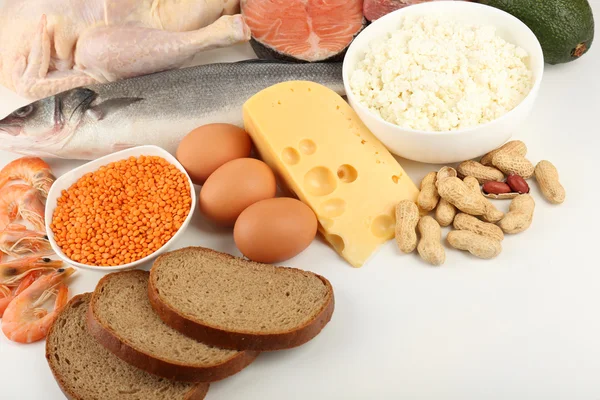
{"x": 48, "y": 46}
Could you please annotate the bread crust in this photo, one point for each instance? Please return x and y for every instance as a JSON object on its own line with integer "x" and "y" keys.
{"x": 156, "y": 365}
{"x": 81, "y": 298}
{"x": 198, "y": 392}
{"x": 239, "y": 340}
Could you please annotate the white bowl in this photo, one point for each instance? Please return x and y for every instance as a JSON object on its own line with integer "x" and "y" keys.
{"x": 68, "y": 179}
{"x": 451, "y": 146}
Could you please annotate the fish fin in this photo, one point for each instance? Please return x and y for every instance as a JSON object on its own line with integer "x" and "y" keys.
{"x": 83, "y": 96}
{"x": 104, "y": 108}
{"x": 94, "y": 114}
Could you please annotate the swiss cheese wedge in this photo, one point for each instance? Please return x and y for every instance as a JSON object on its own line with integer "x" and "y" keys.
{"x": 324, "y": 153}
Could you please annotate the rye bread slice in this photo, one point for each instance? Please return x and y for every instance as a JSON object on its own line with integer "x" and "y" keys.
{"x": 121, "y": 318}
{"x": 85, "y": 370}
{"x": 238, "y": 304}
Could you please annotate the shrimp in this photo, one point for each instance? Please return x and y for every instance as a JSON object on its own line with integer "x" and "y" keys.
{"x": 32, "y": 170}
{"x": 21, "y": 201}
{"x": 25, "y": 283}
{"x": 24, "y": 320}
{"x": 16, "y": 240}
{"x": 12, "y": 272}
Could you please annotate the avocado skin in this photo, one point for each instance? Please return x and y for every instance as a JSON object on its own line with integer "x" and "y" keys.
{"x": 565, "y": 28}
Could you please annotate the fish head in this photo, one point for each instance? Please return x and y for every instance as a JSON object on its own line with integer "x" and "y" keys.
{"x": 35, "y": 120}
{"x": 44, "y": 122}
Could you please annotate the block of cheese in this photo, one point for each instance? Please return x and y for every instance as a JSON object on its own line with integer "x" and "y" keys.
{"x": 326, "y": 156}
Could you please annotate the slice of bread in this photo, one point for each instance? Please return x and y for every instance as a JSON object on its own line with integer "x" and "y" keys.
{"x": 85, "y": 370}
{"x": 238, "y": 304}
{"x": 121, "y": 318}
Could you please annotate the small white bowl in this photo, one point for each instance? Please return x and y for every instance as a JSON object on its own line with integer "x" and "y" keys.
{"x": 68, "y": 179}
{"x": 451, "y": 146}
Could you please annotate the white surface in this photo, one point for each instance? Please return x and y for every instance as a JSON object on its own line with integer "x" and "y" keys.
{"x": 66, "y": 180}
{"x": 523, "y": 326}
{"x": 464, "y": 144}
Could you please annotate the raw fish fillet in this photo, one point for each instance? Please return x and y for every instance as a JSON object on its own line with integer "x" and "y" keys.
{"x": 302, "y": 30}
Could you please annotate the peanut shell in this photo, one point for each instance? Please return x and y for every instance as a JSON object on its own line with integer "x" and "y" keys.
{"x": 467, "y": 222}
{"x": 428, "y": 196}
{"x": 512, "y": 147}
{"x": 460, "y": 195}
{"x": 492, "y": 214}
{"x": 430, "y": 247}
{"x": 479, "y": 171}
{"x": 513, "y": 164}
{"x": 501, "y": 196}
{"x": 519, "y": 216}
{"x": 446, "y": 172}
{"x": 478, "y": 245}
{"x": 444, "y": 213}
{"x": 546, "y": 175}
{"x": 407, "y": 218}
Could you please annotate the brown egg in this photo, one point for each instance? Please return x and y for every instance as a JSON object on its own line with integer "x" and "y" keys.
{"x": 206, "y": 148}
{"x": 233, "y": 187}
{"x": 275, "y": 230}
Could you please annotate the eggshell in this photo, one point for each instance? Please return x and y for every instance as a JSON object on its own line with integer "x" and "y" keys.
{"x": 233, "y": 187}
{"x": 206, "y": 148}
{"x": 275, "y": 230}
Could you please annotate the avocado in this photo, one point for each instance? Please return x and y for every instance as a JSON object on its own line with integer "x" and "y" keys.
{"x": 565, "y": 28}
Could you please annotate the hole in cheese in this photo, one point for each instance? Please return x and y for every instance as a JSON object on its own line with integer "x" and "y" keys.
{"x": 347, "y": 173}
{"x": 332, "y": 208}
{"x": 307, "y": 146}
{"x": 383, "y": 226}
{"x": 320, "y": 181}
{"x": 337, "y": 242}
{"x": 290, "y": 156}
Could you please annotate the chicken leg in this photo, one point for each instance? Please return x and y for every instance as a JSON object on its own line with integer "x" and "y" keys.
{"x": 108, "y": 53}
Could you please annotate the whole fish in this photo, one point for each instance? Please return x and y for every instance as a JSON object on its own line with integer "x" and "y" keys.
{"x": 158, "y": 109}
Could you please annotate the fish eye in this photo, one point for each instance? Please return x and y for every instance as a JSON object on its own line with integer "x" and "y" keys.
{"x": 23, "y": 111}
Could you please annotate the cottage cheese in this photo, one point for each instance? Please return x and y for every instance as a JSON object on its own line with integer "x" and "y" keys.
{"x": 435, "y": 74}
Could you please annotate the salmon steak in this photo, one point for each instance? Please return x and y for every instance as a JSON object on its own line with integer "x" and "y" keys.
{"x": 303, "y": 30}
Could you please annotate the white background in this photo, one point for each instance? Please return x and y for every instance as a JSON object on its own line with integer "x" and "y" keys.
{"x": 523, "y": 326}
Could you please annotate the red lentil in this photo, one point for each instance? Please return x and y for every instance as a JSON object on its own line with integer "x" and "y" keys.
{"x": 122, "y": 212}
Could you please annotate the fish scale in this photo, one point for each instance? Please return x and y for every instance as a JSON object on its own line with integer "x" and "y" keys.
{"x": 158, "y": 109}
